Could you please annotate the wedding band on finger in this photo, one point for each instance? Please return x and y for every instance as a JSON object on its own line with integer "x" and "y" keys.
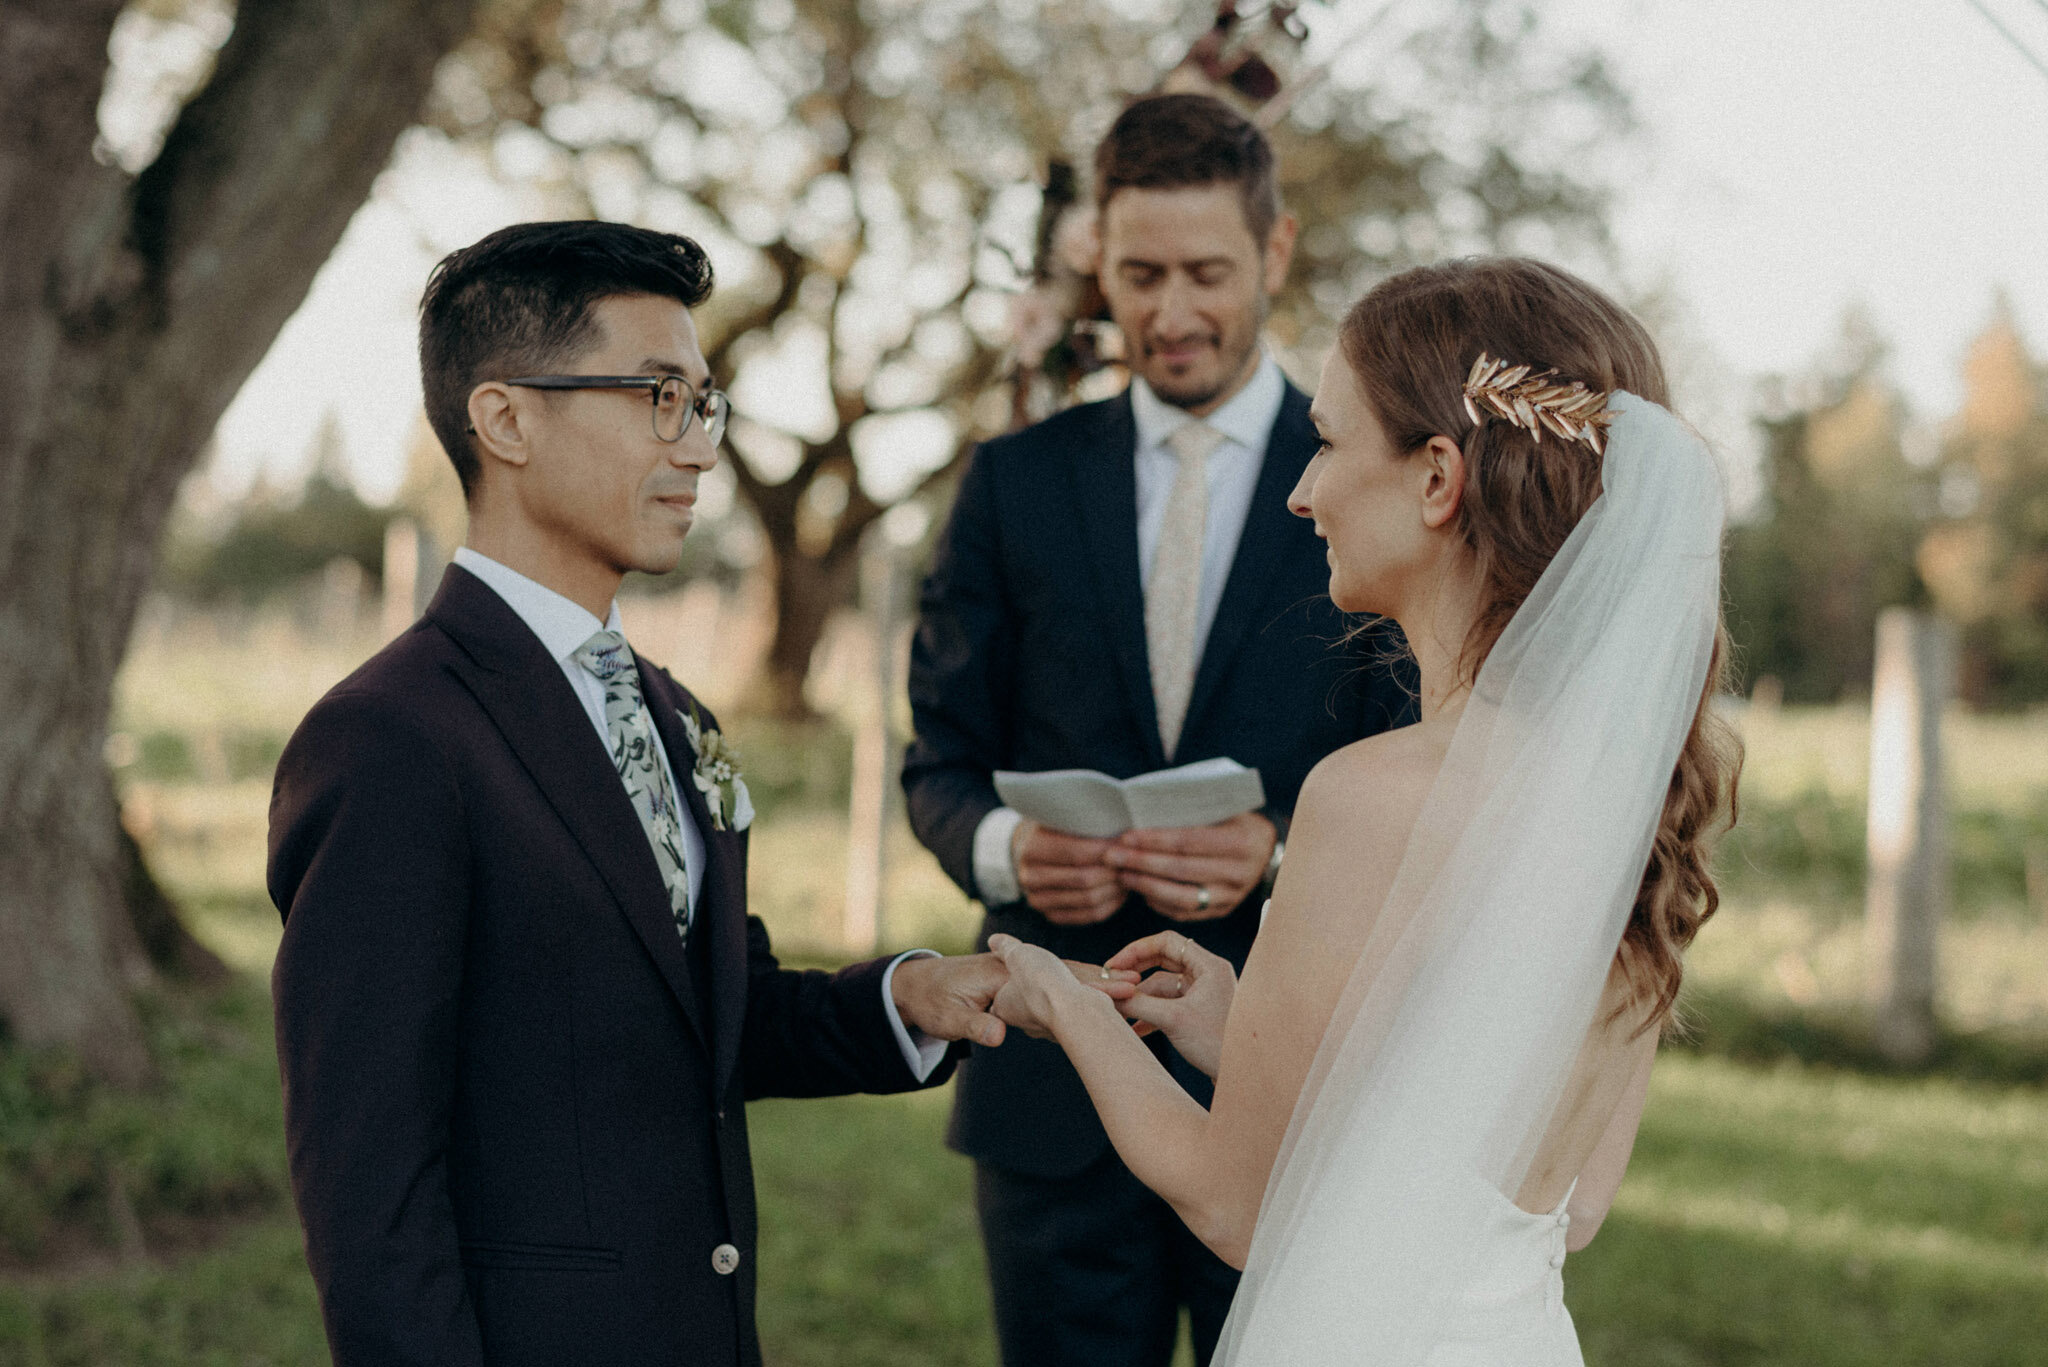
{"x": 1202, "y": 897}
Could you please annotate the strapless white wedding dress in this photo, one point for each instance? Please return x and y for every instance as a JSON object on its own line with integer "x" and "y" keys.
{"x": 1510, "y": 1312}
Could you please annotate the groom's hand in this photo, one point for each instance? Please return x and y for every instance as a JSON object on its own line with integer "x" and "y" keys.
{"x": 948, "y": 998}
{"x": 1064, "y": 877}
{"x": 1195, "y": 873}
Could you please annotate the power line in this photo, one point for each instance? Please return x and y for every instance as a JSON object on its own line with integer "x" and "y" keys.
{"x": 2010, "y": 36}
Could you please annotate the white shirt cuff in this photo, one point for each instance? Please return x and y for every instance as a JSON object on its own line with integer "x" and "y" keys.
{"x": 995, "y": 871}
{"x": 921, "y": 1053}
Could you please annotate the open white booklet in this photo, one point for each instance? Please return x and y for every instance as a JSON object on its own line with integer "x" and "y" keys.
{"x": 1088, "y": 802}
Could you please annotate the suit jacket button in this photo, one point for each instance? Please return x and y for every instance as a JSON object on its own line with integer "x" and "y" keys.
{"x": 725, "y": 1260}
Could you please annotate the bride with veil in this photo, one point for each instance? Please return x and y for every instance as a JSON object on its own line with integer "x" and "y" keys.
{"x": 1430, "y": 1076}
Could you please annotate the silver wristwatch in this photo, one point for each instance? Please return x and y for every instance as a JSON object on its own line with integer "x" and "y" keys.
{"x": 1273, "y": 864}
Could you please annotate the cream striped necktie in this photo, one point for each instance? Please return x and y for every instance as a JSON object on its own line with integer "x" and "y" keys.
{"x": 1173, "y": 592}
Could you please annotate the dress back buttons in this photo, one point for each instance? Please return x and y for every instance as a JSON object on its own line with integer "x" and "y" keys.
{"x": 725, "y": 1260}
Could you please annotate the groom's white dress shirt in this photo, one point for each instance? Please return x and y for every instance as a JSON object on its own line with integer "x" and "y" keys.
{"x": 562, "y": 627}
{"x": 1246, "y": 422}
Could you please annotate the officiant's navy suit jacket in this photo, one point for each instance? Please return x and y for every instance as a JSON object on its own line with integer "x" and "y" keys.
{"x": 1030, "y": 655}
{"x": 514, "y": 1102}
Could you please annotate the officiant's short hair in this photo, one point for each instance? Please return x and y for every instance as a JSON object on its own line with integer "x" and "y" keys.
{"x": 1167, "y": 142}
{"x": 518, "y": 302}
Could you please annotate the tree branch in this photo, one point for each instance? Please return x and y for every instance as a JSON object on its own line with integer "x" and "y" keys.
{"x": 264, "y": 168}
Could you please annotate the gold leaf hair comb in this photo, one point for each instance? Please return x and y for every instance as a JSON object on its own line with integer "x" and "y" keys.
{"x": 1536, "y": 401}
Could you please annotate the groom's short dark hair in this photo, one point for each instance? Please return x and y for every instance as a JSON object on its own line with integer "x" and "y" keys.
{"x": 518, "y": 303}
{"x": 1165, "y": 142}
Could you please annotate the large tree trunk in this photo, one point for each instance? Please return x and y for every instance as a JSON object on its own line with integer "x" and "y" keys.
{"x": 131, "y": 310}
{"x": 808, "y": 590}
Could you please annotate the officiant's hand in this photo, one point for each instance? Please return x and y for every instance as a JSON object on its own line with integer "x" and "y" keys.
{"x": 1187, "y": 994}
{"x": 1195, "y": 873}
{"x": 1064, "y": 877}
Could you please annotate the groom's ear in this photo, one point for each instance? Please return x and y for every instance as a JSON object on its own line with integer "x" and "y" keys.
{"x": 1443, "y": 489}
{"x": 495, "y": 426}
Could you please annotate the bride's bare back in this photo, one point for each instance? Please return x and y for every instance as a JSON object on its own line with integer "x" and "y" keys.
{"x": 1354, "y": 821}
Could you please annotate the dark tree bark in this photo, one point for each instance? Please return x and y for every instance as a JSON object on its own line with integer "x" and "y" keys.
{"x": 131, "y": 310}
{"x": 816, "y": 575}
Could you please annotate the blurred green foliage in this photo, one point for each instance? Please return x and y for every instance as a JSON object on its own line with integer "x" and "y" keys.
{"x": 86, "y": 1165}
{"x": 1850, "y": 524}
{"x": 269, "y": 547}
{"x": 793, "y": 766}
{"x": 271, "y": 543}
{"x": 1987, "y": 560}
{"x": 1834, "y": 542}
{"x": 166, "y": 756}
{"x": 1812, "y": 846}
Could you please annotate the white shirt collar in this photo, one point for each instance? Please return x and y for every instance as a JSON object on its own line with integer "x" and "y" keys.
{"x": 1246, "y": 418}
{"x": 562, "y": 624}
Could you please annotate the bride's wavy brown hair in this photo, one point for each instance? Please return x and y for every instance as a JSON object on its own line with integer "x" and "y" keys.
{"x": 1411, "y": 342}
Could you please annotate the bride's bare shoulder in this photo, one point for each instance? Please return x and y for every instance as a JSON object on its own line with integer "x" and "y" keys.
{"x": 1353, "y": 819}
{"x": 1374, "y": 781}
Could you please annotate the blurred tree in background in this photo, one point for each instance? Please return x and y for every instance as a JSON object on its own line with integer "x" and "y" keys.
{"x": 1986, "y": 559}
{"x": 274, "y": 542}
{"x": 149, "y": 265}
{"x": 1834, "y": 541}
{"x": 1850, "y": 524}
{"x": 866, "y": 179}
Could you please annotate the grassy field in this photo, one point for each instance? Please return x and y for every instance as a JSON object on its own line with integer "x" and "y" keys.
{"x": 1787, "y": 1204}
{"x": 1791, "y": 1215}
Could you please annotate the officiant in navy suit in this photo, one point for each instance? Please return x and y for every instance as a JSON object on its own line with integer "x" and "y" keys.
{"x": 520, "y": 1003}
{"x": 1122, "y": 588}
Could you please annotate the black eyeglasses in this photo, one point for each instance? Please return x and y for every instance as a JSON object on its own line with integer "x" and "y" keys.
{"x": 674, "y": 400}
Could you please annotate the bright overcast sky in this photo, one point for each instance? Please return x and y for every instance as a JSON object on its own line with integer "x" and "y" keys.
{"x": 1799, "y": 157}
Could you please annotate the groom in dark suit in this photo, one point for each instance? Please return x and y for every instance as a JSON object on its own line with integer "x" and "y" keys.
{"x": 520, "y": 1004}
{"x": 1122, "y": 588}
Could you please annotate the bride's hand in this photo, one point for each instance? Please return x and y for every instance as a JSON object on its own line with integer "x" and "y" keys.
{"x": 1188, "y": 997}
{"x": 1039, "y": 982}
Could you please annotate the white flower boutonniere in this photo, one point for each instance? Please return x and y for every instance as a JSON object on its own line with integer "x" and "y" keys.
{"x": 717, "y": 775}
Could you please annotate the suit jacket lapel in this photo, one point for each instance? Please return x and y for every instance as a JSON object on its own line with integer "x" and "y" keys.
{"x": 1262, "y": 548}
{"x": 1106, "y": 491}
{"x": 526, "y": 697}
{"x": 720, "y": 915}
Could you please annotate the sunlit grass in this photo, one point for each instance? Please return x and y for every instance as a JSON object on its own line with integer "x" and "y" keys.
{"x": 1992, "y": 970}
{"x": 1998, "y": 760}
{"x": 1786, "y": 1217}
{"x": 1800, "y": 1215}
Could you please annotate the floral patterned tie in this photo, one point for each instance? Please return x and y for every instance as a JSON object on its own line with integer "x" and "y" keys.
{"x": 636, "y": 752}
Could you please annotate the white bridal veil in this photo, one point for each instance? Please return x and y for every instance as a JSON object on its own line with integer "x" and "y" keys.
{"x": 1457, "y": 1033}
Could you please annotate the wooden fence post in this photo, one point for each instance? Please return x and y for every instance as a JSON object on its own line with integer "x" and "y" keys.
{"x": 1907, "y": 890}
{"x": 877, "y": 752}
{"x": 401, "y": 575}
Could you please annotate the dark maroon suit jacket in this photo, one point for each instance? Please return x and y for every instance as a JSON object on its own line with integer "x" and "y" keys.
{"x": 514, "y": 1102}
